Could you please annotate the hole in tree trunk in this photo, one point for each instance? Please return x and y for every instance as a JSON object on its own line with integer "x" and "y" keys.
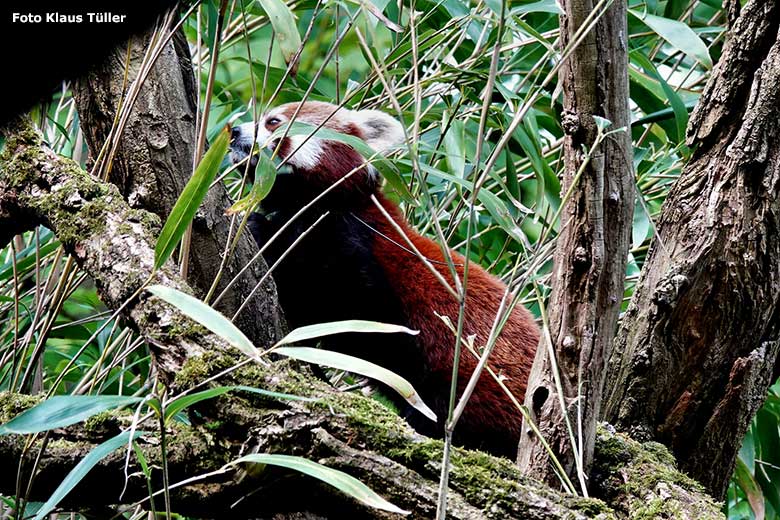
{"x": 540, "y": 396}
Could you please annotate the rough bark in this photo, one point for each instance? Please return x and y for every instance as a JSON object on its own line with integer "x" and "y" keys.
{"x": 590, "y": 255}
{"x": 699, "y": 342}
{"x": 343, "y": 430}
{"x": 153, "y": 162}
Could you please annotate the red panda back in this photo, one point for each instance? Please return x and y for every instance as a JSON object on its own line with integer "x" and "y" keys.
{"x": 490, "y": 420}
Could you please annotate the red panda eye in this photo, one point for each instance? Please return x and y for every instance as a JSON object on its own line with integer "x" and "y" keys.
{"x": 272, "y": 121}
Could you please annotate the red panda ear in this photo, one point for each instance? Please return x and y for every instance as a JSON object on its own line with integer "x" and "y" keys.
{"x": 381, "y": 131}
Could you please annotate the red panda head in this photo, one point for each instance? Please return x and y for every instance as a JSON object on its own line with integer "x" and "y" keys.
{"x": 318, "y": 163}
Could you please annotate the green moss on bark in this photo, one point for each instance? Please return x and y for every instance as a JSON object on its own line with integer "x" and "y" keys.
{"x": 104, "y": 424}
{"x": 12, "y": 404}
{"x": 21, "y": 153}
{"x": 76, "y": 193}
{"x": 632, "y": 480}
{"x": 642, "y": 481}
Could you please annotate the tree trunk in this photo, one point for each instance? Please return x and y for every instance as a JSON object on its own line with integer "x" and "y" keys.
{"x": 339, "y": 429}
{"x": 590, "y": 256}
{"x": 699, "y": 342}
{"x": 153, "y": 163}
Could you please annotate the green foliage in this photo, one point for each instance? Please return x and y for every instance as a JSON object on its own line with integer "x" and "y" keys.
{"x": 265, "y": 177}
{"x": 338, "y": 479}
{"x": 358, "y": 366}
{"x": 208, "y": 317}
{"x": 319, "y": 330}
{"x": 754, "y": 491}
{"x": 63, "y": 410}
{"x": 81, "y": 469}
{"x": 285, "y": 30}
{"x": 190, "y": 199}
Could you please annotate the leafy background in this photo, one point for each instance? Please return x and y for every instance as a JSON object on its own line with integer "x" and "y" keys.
{"x": 426, "y": 63}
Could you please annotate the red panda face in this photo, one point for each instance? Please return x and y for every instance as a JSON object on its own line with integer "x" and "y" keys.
{"x": 320, "y": 162}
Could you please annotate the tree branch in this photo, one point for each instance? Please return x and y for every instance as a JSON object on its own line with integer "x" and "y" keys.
{"x": 153, "y": 163}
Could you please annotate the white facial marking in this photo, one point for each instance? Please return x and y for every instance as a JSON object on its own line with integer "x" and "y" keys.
{"x": 245, "y": 133}
{"x": 242, "y": 139}
{"x": 304, "y": 155}
{"x": 263, "y": 135}
{"x": 381, "y": 131}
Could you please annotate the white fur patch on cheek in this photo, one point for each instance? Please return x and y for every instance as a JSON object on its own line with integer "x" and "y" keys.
{"x": 241, "y": 142}
{"x": 304, "y": 155}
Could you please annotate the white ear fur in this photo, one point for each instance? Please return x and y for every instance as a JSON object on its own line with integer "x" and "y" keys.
{"x": 382, "y": 131}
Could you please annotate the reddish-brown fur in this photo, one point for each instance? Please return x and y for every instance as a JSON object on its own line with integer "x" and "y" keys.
{"x": 423, "y": 296}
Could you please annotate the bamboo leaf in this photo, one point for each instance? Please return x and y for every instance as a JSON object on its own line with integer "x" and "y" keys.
{"x": 455, "y": 145}
{"x": 78, "y": 473}
{"x": 641, "y": 226}
{"x": 542, "y": 6}
{"x": 375, "y": 8}
{"x": 338, "y": 327}
{"x": 185, "y": 401}
{"x": 338, "y": 479}
{"x": 750, "y": 487}
{"x": 362, "y": 367}
{"x": 206, "y": 316}
{"x": 26, "y": 258}
{"x": 63, "y": 410}
{"x": 265, "y": 177}
{"x": 190, "y": 199}
{"x": 490, "y": 201}
{"x": 180, "y": 403}
{"x": 678, "y": 34}
{"x": 768, "y": 450}
{"x": 678, "y": 107}
{"x": 285, "y": 29}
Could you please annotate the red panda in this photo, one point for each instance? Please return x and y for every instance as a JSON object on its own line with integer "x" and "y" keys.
{"x": 354, "y": 265}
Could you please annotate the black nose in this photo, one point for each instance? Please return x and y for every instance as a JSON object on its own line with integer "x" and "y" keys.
{"x": 235, "y": 133}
